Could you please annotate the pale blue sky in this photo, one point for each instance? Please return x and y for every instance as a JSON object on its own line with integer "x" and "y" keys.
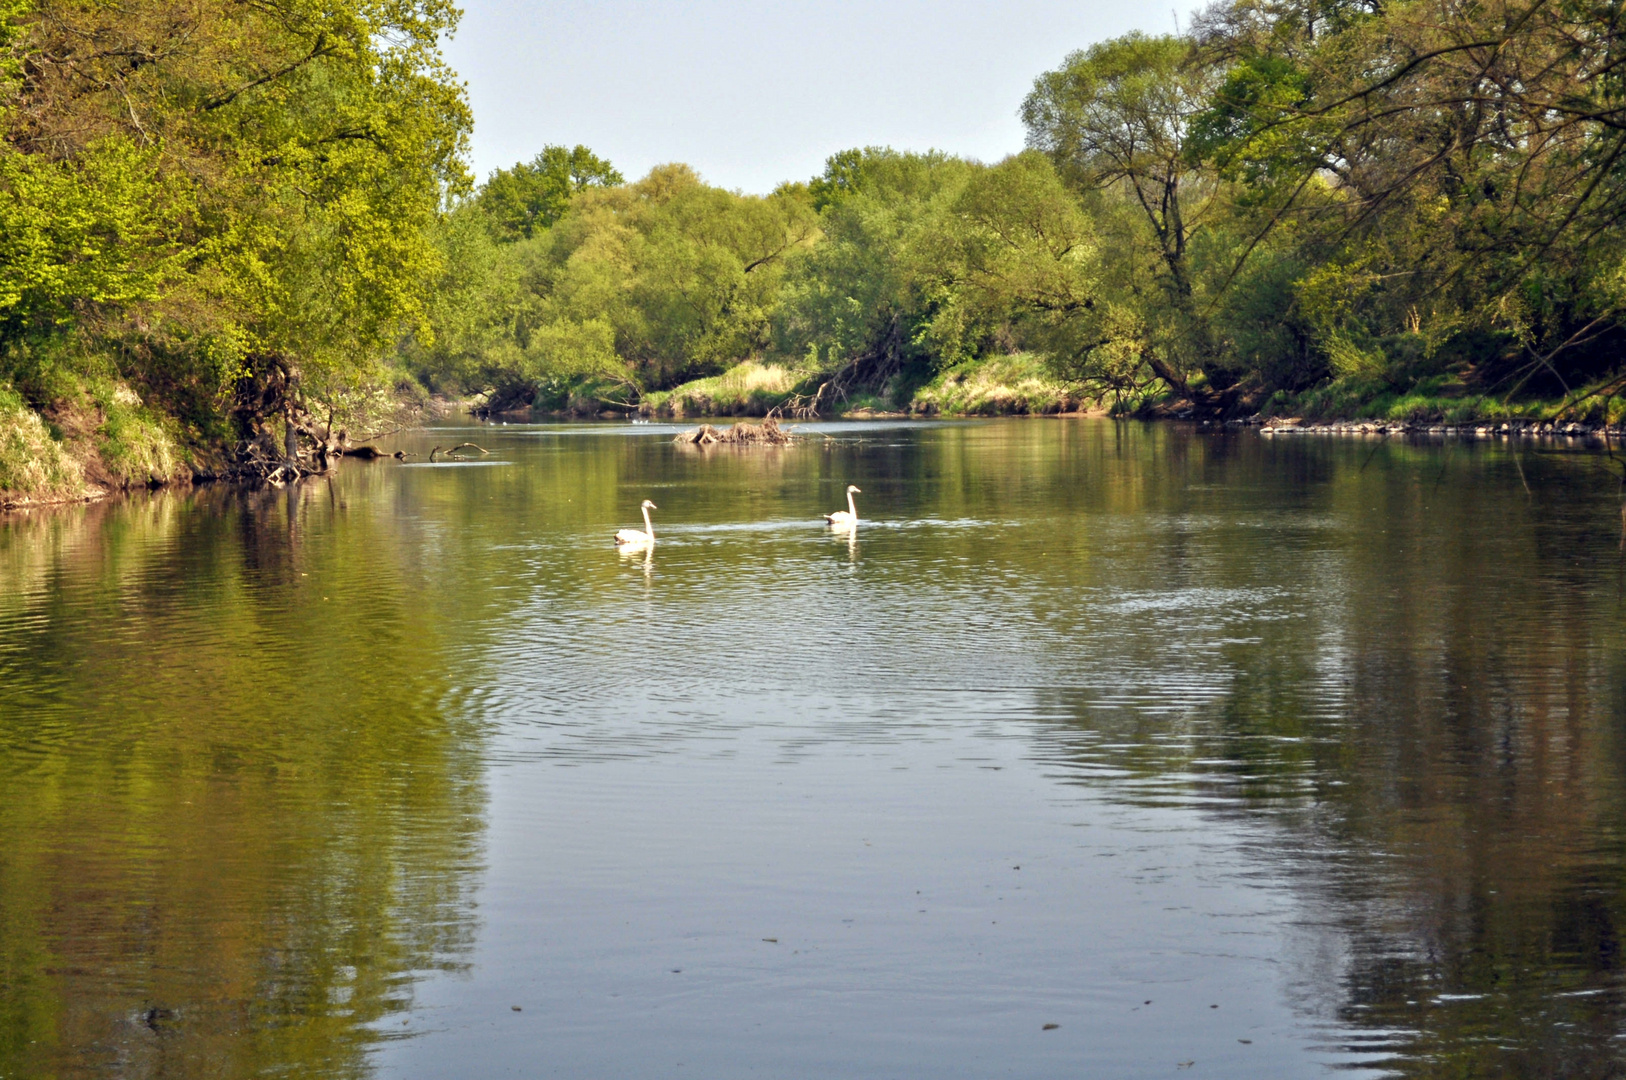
{"x": 754, "y": 93}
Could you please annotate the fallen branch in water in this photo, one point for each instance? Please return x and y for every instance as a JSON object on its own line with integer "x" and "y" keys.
{"x": 766, "y": 433}
{"x": 452, "y": 454}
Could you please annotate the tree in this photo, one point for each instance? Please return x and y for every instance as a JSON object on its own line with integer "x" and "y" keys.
{"x": 1459, "y": 167}
{"x": 857, "y": 303}
{"x": 1117, "y": 116}
{"x": 521, "y": 201}
{"x": 635, "y": 287}
{"x": 1019, "y": 267}
{"x": 256, "y": 185}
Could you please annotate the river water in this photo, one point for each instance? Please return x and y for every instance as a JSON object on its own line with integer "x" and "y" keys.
{"x": 1225, "y": 756}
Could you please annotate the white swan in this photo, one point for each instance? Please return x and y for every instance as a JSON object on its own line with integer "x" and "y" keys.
{"x": 846, "y": 519}
{"x": 632, "y": 538}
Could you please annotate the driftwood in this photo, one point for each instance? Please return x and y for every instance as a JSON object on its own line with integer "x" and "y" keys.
{"x": 766, "y": 433}
{"x": 452, "y": 454}
{"x": 258, "y": 461}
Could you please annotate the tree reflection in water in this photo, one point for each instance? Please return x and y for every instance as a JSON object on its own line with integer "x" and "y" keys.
{"x": 232, "y": 834}
{"x": 1433, "y": 754}
{"x": 242, "y": 736}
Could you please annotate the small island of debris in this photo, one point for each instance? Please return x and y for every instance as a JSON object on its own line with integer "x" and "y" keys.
{"x": 768, "y": 432}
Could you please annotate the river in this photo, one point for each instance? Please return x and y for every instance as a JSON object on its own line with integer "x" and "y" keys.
{"x": 1100, "y": 749}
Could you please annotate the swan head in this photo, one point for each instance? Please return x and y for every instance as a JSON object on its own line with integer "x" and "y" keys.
{"x": 851, "y": 490}
{"x": 647, "y": 505}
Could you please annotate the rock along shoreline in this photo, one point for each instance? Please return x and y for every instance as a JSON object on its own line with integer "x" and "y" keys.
{"x": 1506, "y": 429}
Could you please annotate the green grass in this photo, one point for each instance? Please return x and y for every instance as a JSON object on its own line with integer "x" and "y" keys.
{"x": 863, "y": 403}
{"x": 99, "y": 434}
{"x": 746, "y": 389}
{"x": 34, "y": 464}
{"x": 136, "y": 445}
{"x": 995, "y": 386}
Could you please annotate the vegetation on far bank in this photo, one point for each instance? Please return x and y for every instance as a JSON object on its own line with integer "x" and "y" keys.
{"x": 1408, "y": 210}
{"x": 227, "y": 234}
{"x": 1000, "y": 385}
{"x": 1023, "y": 384}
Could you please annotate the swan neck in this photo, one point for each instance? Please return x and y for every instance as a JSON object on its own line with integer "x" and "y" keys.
{"x": 649, "y": 526}
{"x": 852, "y": 507}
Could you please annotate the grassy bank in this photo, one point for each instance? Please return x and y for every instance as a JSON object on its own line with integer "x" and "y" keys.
{"x": 997, "y": 386}
{"x": 100, "y": 438}
{"x": 746, "y": 389}
{"x": 1021, "y": 385}
{"x": 1014, "y": 385}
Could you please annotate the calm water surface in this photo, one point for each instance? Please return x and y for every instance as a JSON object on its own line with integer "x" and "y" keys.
{"x": 1229, "y": 757}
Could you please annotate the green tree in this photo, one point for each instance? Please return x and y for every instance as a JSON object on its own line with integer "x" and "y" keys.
{"x": 636, "y": 287}
{"x": 1018, "y": 266}
{"x": 255, "y": 187}
{"x": 857, "y": 305}
{"x": 1454, "y": 175}
{"x": 521, "y": 201}
{"x": 1117, "y": 118}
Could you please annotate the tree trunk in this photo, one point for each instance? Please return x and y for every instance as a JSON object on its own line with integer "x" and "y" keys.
{"x": 1168, "y": 374}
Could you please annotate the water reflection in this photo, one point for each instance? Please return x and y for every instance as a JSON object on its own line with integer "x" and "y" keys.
{"x": 241, "y": 802}
{"x": 641, "y": 557}
{"x": 1432, "y": 724}
{"x": 1349, "y": 717}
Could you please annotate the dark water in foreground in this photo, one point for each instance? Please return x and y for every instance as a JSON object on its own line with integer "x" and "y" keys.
{"x": 1231, "y": 758}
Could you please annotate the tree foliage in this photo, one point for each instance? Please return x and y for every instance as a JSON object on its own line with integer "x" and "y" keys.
{"x": 1455, "y": 171}
{"x": 530, "y": 197}
{"x": 635, "y": 287}
{"x": 1415, "y": 196}
{"x": 194, "y": 191}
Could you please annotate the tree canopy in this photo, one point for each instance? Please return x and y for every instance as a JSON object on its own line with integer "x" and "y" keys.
{"x": 530, "y": 197}
{"x": 191, "y": 193}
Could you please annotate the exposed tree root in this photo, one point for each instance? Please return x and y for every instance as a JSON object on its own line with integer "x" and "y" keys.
{"x": 871, "y": 371}
{"x": 280, "y": 438}
{"x": 518, "y": 397}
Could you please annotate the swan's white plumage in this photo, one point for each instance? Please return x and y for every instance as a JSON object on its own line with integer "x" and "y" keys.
{"x": 632, "y": 538}
{"x": 847, "y": 518}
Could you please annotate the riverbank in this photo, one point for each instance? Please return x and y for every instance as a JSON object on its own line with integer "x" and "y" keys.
{"x": 1013, "y": 385}
{"x": 101, "y": 440}
{"x": 85, "y": 447}
{"x": 1513, "y": 429}
{"x": 1021, "y": 385}
{"x": 106, "y": 440}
